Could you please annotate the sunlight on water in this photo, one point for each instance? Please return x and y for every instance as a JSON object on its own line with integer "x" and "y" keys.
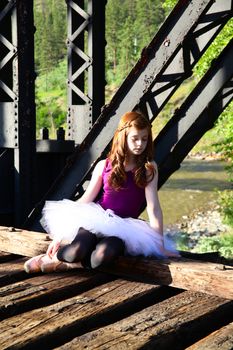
{"x": 193, "y": 186}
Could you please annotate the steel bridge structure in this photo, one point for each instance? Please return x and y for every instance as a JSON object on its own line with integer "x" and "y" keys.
{"x": 31, "y": 170}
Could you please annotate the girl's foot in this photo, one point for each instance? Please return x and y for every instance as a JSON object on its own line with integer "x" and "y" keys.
{"x": 43, "y": 263}
{"x": 56, "y": 266}
{"x": 33, "y": 265}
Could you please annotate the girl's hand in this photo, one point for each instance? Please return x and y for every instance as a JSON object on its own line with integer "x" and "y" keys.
{"x": 171, "y": 254}
{"x": 53, "y": 248}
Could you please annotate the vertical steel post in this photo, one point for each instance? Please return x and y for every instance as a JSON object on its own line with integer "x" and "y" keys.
{"x": 24, "y": 106}
{"x": 86, "y": 73}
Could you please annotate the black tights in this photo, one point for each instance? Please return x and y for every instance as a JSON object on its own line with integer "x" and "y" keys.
{"x": 88, "y": 249}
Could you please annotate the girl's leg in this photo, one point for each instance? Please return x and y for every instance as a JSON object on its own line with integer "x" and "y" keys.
{"x": 82, "y": 246}
{"x": 107, "y": 250}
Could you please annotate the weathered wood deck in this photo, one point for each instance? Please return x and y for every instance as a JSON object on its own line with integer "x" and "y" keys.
{"x": 122, "y": 308}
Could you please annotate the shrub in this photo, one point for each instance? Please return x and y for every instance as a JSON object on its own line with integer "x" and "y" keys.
{"x": 222, "y": 243}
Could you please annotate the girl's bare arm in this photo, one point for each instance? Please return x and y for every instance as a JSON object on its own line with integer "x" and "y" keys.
{"x": 153, "y": 206}
{"x": 95, "y": 184}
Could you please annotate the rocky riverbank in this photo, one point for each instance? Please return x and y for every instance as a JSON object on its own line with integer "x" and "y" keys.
{"x": 200, "y": 223}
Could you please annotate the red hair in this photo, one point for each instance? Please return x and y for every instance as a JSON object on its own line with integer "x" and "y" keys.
{"x": 119, "y": 149}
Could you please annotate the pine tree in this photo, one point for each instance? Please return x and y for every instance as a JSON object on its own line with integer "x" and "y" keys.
{"x": 150, "y": 15}
{"x": 50, "y": 22}
{"x": 114, "y": 19}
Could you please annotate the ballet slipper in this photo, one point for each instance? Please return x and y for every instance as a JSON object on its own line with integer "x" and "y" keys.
{"x": 33, "y": 265}
{"x": 58, "y": 266}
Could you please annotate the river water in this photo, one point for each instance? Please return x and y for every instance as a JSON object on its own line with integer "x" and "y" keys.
{"x": 193, "y": 186}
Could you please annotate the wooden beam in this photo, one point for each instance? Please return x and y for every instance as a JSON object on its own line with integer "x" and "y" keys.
{"x": 202, "y": 276}
{"x": 220, "y": 339}
{"x": 171, "y": 324}
{"x": 23, "y": 242}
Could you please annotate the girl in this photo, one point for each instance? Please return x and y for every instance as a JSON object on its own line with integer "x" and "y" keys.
{"x": 99, "y": 230}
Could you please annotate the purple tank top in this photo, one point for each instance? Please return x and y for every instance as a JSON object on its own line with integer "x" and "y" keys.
{"x": 126, "y": 202}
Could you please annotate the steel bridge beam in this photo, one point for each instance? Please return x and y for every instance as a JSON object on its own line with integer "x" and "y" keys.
{"x": 86, "y": 65}
{"x": 187, "y": 19}
{"x": 17, "y": 100}
{"x": 154, "y": 58}
{"x": 182, "y": 60}
{"x": 197, "y": 115}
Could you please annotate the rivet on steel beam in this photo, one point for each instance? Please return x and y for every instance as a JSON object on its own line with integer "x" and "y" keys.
{"x": 167, "y": 42}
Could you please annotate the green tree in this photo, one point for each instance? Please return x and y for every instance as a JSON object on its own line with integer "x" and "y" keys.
{"x": 150, "y": 15}
{"x": 131, "y": 25}
{"x": 50, "y": 36}
{"x": 127, "y": 50}
{"x": 114, "y": 19}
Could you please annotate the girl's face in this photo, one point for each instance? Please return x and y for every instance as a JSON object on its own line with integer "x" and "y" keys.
{"x": 137, "y": 140}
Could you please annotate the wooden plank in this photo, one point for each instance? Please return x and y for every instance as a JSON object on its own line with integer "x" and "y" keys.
{"x": 7, "y": 257}
{"x": 201, "y": 276}
{"x": 222, "y": 339}
{"x": 23, "y": 242}
{"x": 46, "y": 289}
{"x": 216, "y": 279}
{"x": 12, "y": 271}
{"x": 171, "y": 324}
{"x": 44, "y": 326}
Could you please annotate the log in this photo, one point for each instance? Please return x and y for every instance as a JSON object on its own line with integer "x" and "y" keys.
{"x": 210, "y": 278}
{"x": 201, "y": 276}
{"x": 46, "y": 289}
{"x": 12, "y": 271}
{"x": 23, "y": 242}
{"x": 171, "y": 324}
{"x": 222, "y": 339}
{"x": 41, "y": 327}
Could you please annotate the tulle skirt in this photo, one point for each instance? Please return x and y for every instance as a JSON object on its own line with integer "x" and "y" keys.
{"x": 62, "y": 220}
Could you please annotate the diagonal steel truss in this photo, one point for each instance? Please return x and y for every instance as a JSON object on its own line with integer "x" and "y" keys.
{"x": 164, "y": 65}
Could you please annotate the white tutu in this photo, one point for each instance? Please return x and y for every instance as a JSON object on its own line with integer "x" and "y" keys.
{"x": 62, "y": 220}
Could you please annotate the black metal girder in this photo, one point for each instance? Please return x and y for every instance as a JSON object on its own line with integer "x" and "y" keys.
{"x": 155, "y": 59}
{"x": 180, "y": 64}
{"x": 86, "y": 65}
{"x": 17, "y": 99}
{"x": 197, "y": 115}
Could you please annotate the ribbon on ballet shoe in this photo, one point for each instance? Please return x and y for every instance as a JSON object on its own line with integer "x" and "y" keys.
{"x": 53, "y": 266}
{"x": 58, "y": 266}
